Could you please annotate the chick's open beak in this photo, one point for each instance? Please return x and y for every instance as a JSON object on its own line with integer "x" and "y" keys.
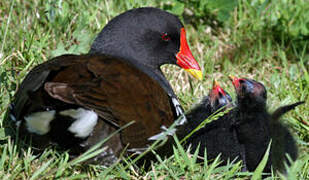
{"x": 217, "y": 89}
{"x": 235, "y": 81}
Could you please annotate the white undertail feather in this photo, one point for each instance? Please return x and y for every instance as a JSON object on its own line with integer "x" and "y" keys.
{"x": 38, "y": 122}
{"x": 84, "y": 123}
{"x": 179, "y": 112}
{"x": 177, "y": 106}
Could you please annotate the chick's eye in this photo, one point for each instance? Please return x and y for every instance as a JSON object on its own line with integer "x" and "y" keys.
{"x": 165, "y": 37}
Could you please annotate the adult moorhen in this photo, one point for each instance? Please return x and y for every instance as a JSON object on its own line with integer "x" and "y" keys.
{"x": 76, "y": 101}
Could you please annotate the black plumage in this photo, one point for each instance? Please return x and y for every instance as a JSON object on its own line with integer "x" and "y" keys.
{"x": 218, "y": 136}
{"x": 283, "y": 142}
{"x": 255, "y": 127}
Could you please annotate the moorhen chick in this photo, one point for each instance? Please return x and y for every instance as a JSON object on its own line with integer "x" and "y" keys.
{"x": 217, "y": 137}
{"x": 76, "y": 101}
{"x": 255, "y": 127}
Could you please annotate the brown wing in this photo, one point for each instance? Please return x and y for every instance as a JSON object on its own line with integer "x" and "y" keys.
{"x": 36, "y": 78}
{"x": 118, "y": 92}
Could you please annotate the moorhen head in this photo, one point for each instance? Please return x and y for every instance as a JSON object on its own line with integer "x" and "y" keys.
{"x": 148, "y": 38}
{"x": 76, "y": 101}
{"x": 250, "y": 93}
{"x": 216, "y": 99}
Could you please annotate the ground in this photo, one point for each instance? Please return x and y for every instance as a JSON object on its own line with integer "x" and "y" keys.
{"x": 262, "y": 40}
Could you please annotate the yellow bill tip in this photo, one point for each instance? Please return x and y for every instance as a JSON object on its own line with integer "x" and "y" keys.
{"x": 198, "y": 74}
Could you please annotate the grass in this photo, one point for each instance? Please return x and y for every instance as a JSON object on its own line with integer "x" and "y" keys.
{"x": 33, "y": 31}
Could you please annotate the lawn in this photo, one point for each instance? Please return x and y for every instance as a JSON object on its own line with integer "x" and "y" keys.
{"x": 263, "y": 40}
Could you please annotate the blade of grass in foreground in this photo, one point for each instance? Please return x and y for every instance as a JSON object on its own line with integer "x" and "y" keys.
{"x": 90, "y": 153}
{"x": 214, "y": 116}
{"x": 259, "y": 170}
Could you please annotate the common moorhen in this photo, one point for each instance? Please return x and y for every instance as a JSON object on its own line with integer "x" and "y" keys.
{"x": 76, "y": 101}
{"x": 255, "y": 127}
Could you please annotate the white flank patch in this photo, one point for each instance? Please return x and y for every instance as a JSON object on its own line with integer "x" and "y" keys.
{"x": 38, "y": 122}
{"x": 84, "y": 123}
{"x": 179, "y": 112}
{"x": 177, "y": 106}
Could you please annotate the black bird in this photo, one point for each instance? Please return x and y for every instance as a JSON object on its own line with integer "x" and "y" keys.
{"x": 76, "y": 101}
{"x": 255, "y": 127}
{"x": 282, "y": 141}
{"x": 217, "y": 137}
{"x": 252, "y": 120}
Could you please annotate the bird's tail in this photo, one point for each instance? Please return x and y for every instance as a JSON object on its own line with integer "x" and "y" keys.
{"x": 284, "y": 109}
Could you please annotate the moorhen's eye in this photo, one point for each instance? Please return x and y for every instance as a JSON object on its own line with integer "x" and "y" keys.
{"x": 165, "y": 37}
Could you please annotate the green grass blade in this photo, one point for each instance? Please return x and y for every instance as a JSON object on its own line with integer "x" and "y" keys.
{"x": 259, "y": 170}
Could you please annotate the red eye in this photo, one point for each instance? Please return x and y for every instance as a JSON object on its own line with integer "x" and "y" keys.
{"x": 165, "y": 37}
